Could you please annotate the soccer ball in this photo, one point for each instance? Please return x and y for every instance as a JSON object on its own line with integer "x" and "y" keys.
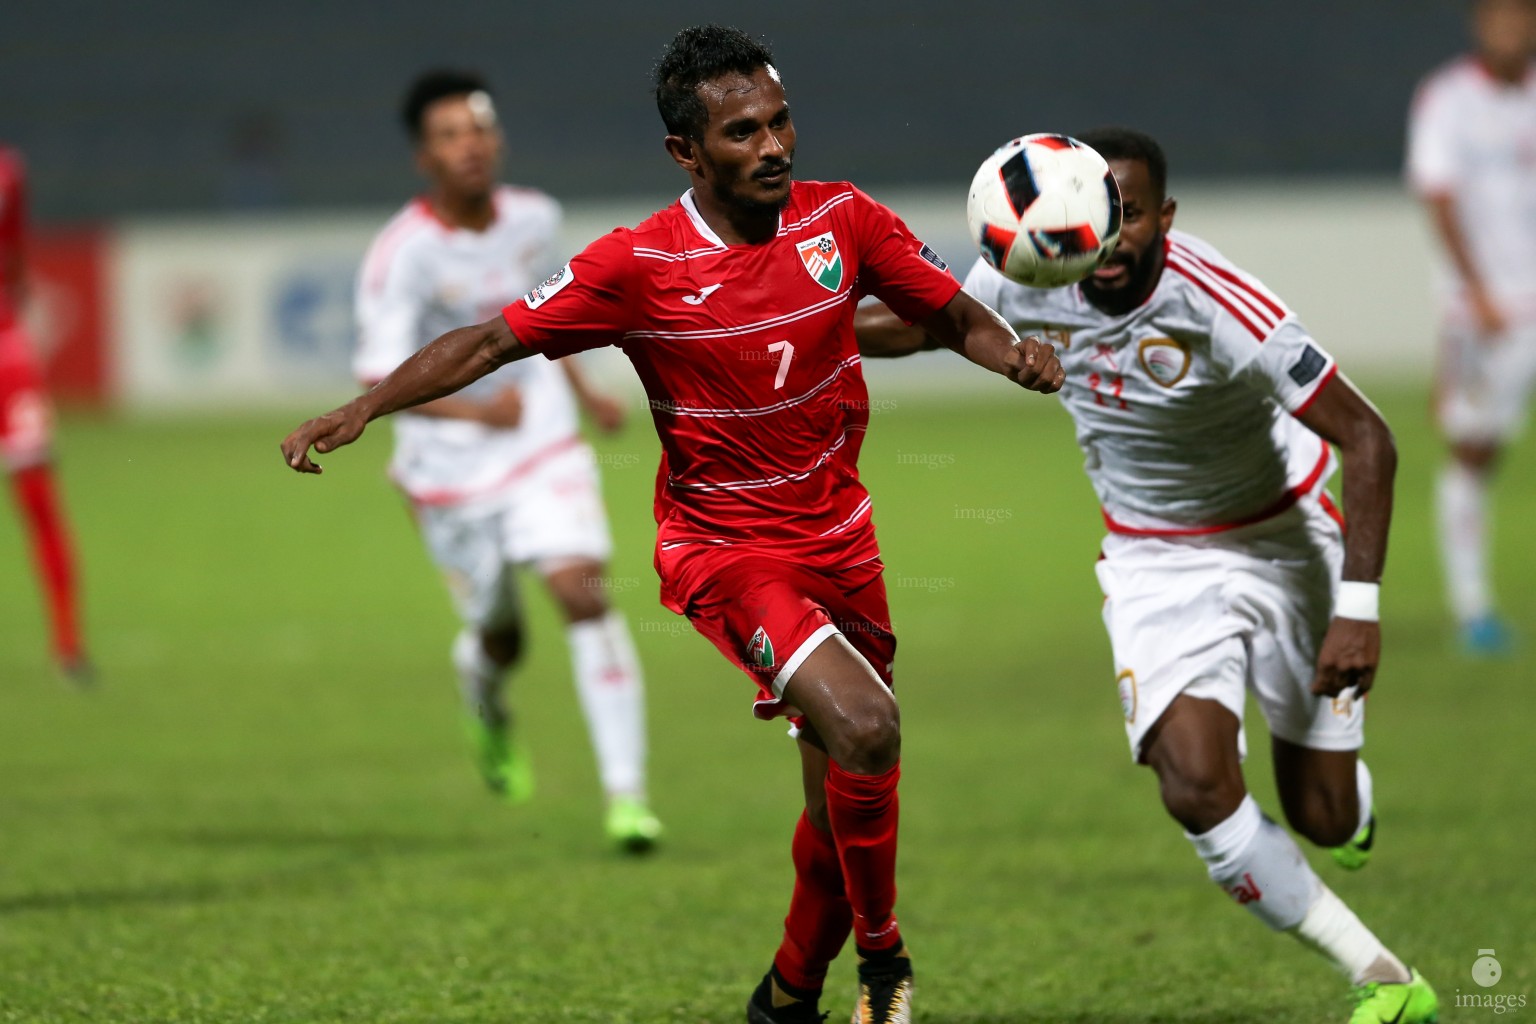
{"x": 1044, "y": 210}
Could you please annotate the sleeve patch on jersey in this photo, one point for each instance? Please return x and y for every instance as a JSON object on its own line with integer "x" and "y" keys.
{"x": 1308, "y": 366}
{"x": 928, "y": 254}
{"x": 542, "y": 292}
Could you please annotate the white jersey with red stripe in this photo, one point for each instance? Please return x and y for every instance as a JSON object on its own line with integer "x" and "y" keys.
{"x": 1472, "y": 137}
{"x": 422, "y": 278}
{"x": 1186, "y": 406}
{"x": 748, "y": 356}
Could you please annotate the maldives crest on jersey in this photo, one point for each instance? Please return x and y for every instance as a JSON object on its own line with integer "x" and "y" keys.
{"x": 760, "y": 649}
{"x": 822, "y": 261}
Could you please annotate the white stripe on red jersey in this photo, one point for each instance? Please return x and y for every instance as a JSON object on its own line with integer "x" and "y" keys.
{"x": 764, "y": 410}
{"x": 754, "y": 382}
{"x": 815, "y": 214}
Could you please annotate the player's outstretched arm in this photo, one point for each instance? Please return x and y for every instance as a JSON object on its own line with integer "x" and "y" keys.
{"x": 1345, "y": 418}
{"x": 977, "y": 332}
{"x": 884, "y": 335}
{"x": 452, "y": 361}
{"x": 969, "y": 327}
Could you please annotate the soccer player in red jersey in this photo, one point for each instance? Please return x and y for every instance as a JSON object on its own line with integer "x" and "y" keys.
{"x": 25, "y": 431}
{"x": 735, "y": 305}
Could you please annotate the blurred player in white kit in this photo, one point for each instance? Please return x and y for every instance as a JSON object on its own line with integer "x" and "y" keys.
{"x": 1205, "y": 411}
{"x": 498, "y": 475}
{"x": 1472, "y": 159}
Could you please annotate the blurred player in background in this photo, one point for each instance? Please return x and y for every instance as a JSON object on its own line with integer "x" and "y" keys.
{"x": 498, "y": 475}
{"x": 26, "y": 432}
{"x": 1472, "y": 158}
{"x": 735, "y": 305}
{"x": 1205, "y": 413}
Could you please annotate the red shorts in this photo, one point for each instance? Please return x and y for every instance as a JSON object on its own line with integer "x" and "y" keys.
{"x": 767, "y": 614}
{"x": 25, "y": 422}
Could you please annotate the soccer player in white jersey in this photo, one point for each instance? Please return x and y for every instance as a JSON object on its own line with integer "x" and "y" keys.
{"x": 1205, "y": 411}
{"x": 1472, "y": 159}
{"x": 498, "y": 475}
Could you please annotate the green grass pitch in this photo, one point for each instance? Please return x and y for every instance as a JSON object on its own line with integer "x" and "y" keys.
{"x": 266, "y": 812}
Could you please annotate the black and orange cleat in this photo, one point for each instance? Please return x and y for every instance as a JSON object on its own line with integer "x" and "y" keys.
{"x": 885, "y": 991}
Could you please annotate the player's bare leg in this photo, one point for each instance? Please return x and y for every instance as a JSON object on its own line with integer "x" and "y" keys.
{"x": 612, "y": 692}
{"x": 1327, "y": 796}
{"x": 1462, "y": 504}
{"x": 855, "y": 721}
{"x": 1193, "y": 748}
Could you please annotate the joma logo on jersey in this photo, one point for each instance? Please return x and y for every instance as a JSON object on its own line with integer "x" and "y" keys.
{"x": 760, "y": 649}
{"x": 822, "y": 261}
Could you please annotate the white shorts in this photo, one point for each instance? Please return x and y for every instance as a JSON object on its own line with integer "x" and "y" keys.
{"x": 1217, "y": 616}
{"x": 1485, "y": 385}
{"x": 554, "y": 514}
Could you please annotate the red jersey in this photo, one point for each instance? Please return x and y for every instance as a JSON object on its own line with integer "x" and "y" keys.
{"x": 748, "y": 356}
{"x": 13, "y": 225}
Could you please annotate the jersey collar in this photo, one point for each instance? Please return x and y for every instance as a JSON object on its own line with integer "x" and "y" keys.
{"x": 691, "y": 208}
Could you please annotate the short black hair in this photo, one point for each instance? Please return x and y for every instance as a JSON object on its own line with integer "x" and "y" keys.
{"x": 433, "y": 86}
{"x": 697, "y": 55}
{"x": 1129, "y": 144}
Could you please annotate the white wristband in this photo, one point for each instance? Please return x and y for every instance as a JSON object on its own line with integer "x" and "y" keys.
{"x": 1357, "y": 600}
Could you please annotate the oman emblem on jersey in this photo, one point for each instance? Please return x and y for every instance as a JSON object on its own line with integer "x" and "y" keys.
{"x": 760, "y": 649}
{"x": 1165, "y": 360}
{"x": 822, "y": 261}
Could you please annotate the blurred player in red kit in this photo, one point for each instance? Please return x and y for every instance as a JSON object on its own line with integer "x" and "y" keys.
{"x": 735, "y": 304}
{"x": 26, "y": 434}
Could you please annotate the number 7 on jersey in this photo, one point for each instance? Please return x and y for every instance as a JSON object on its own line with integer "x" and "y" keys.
{"x": 788, "y": 349}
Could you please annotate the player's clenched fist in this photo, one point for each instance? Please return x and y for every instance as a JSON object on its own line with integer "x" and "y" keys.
{"x": 323, "y": 433}
{"x": 1033, "y": 364}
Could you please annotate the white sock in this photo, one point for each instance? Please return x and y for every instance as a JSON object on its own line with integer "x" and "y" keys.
{"x": 1258, "y": 864}
{"x": 1367, "y": 788}
{"x": 1462, "y": 503}
{"x": 480, "y": 678}
{"x": 613, "y": 698}
{"x": 1333, "y": 930}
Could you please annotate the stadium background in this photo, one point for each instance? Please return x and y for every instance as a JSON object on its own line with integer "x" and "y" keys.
{"x": 264, "y": 813}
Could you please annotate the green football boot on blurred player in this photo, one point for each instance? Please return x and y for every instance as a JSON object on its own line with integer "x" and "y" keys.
{"x": 631, "y": 825}
{"x": 1410, "y": 1002}
{"x": 503, "y": 762}
{"x": 1353, "y": 855}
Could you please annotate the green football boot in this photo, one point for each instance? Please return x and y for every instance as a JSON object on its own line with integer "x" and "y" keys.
{"x": 503, "y": 763}
{"x": 1353, "y": 854}
{"x": 1410, "y": 1002}
{"x": 631, "y": 824}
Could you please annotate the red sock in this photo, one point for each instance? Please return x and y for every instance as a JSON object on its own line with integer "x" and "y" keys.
{"x": 34, "y": 491}
{"x": 819, "y": 915}
{"x": 863, "y": 812}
